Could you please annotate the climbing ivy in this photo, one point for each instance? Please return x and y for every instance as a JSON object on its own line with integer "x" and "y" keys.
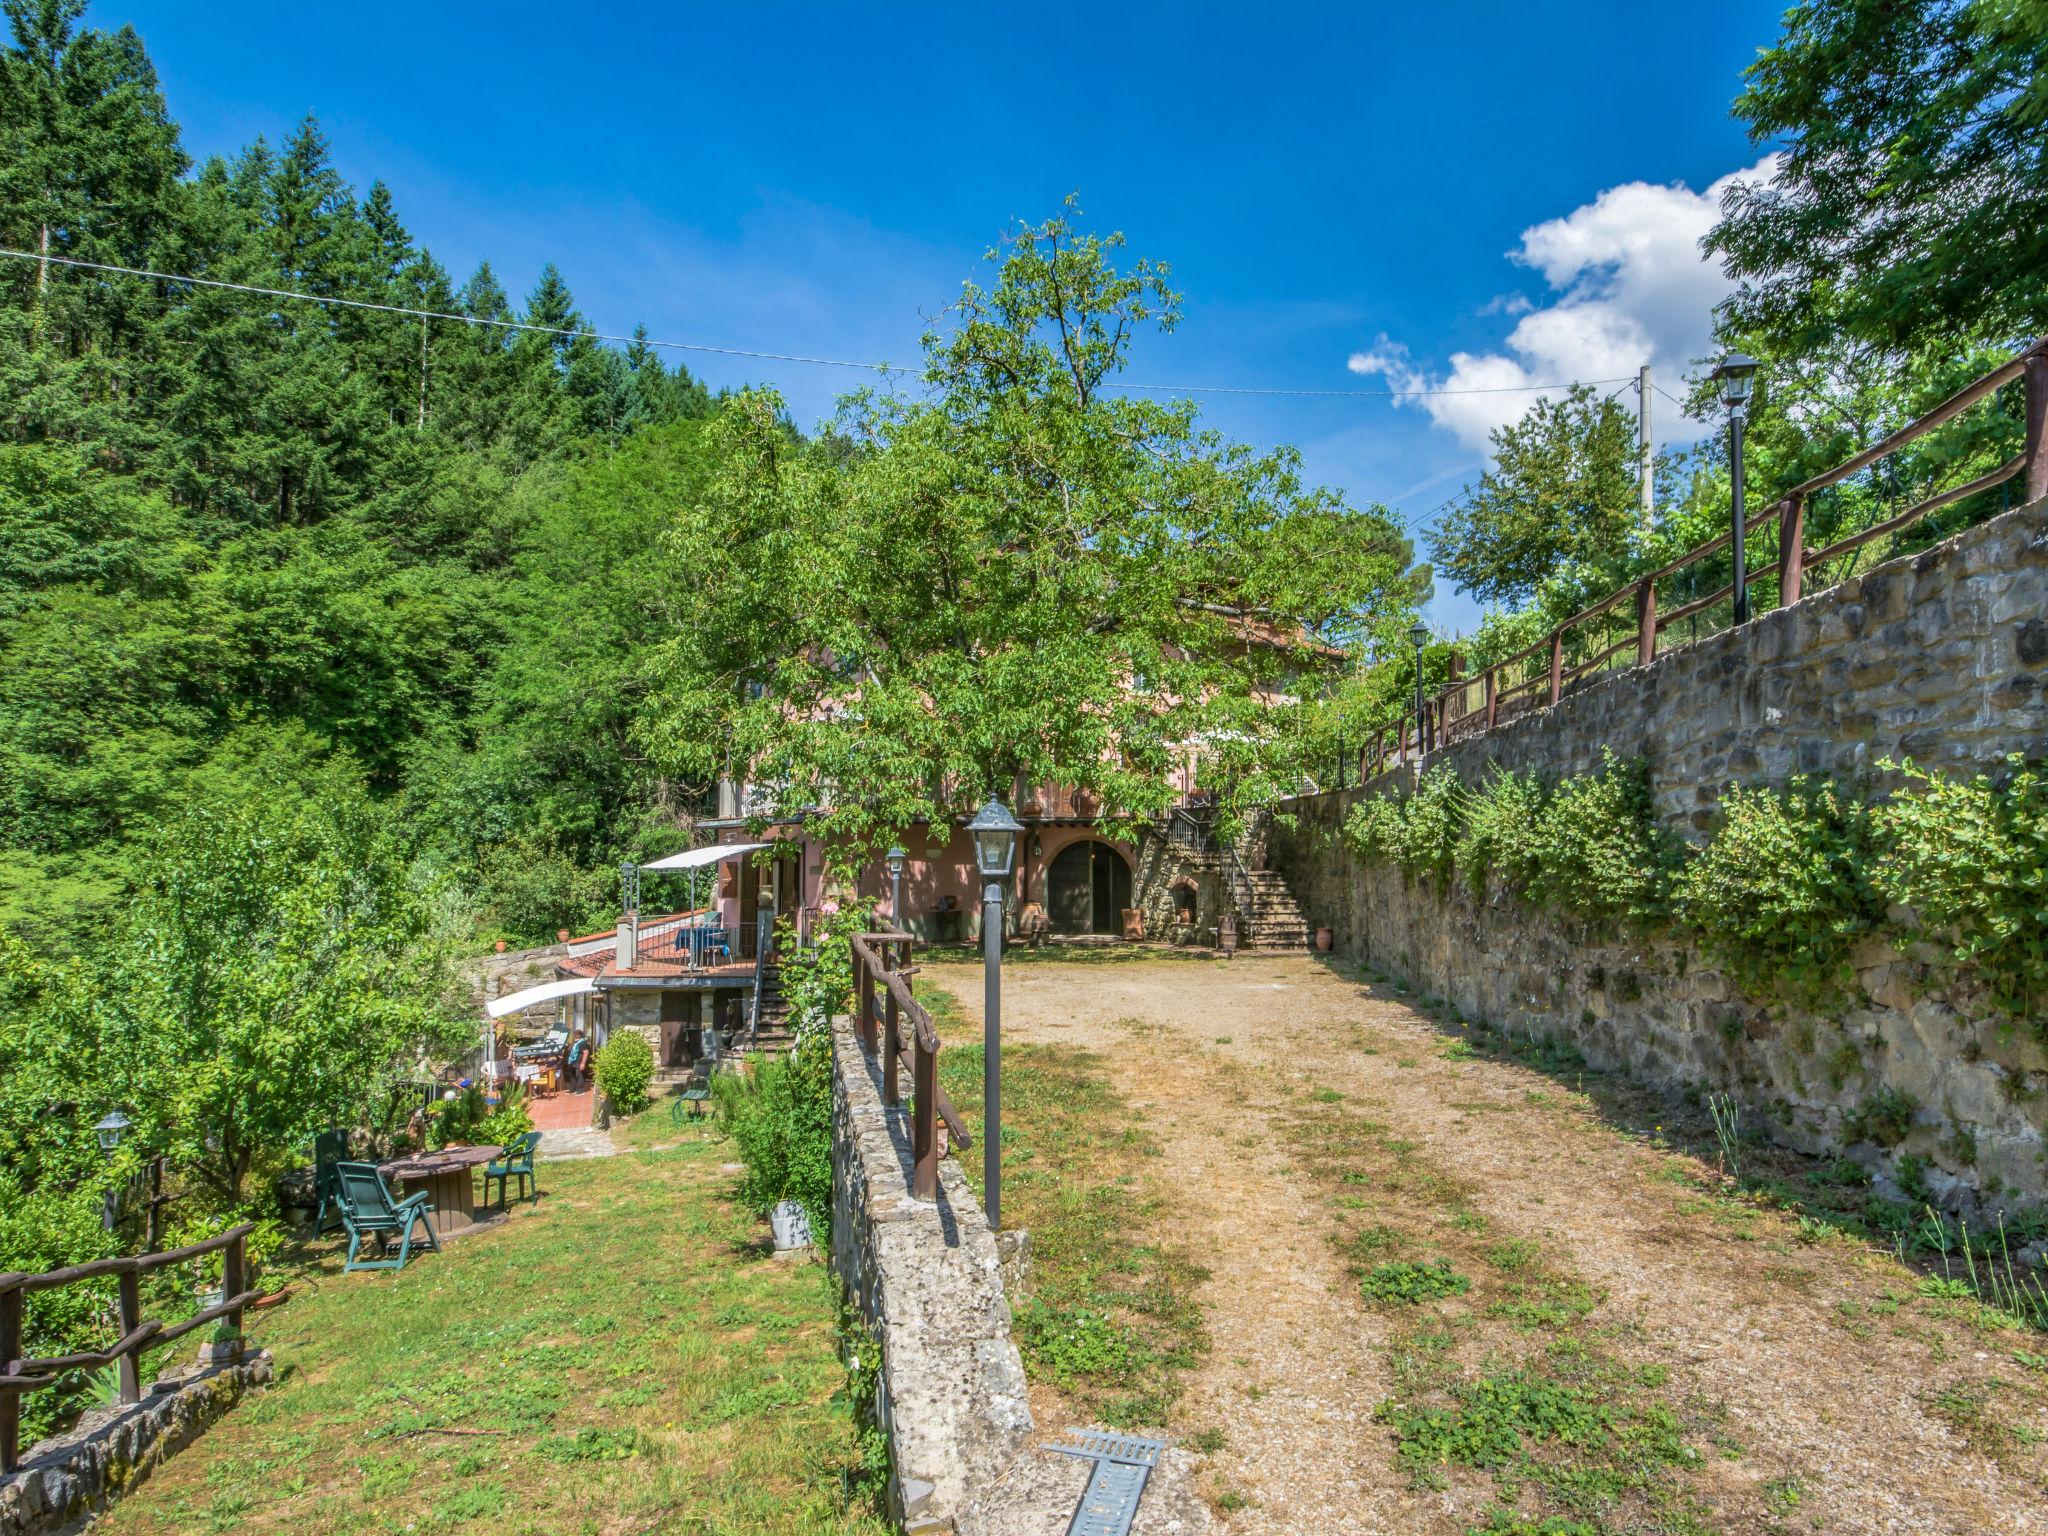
{"x": 1782, "y": 893}
{"x": 1790, "y": 880}
{"x": 1969, "y": 859}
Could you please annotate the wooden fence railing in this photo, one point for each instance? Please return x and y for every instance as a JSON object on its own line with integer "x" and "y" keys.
{"x": 137, "y": 1333}
{"x": 883, "y": 1006}
{"x": 1538, "y": 674}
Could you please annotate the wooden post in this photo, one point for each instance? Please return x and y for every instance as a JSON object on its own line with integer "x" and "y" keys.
{"x": 234, "y": 1277}
{"x": 1791, "y": 549}
{"x": 924, "y": 1140}
{"x": 1646, "y": 622}
{"x": 1556, "y": 665}
{"x": 10, "y": 1399}
{"x": 131, "y": 1319}
{"x": 1492, "y": 696}
{"x": 2036, "y": 409}
{"x": 889, "y": 1093}
{"x": 867, "y": 1007}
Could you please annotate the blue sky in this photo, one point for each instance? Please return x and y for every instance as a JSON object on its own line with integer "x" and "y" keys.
{"x": 1347, "y": 197}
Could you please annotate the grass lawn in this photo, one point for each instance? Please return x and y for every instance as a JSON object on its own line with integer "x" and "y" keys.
{"x": 1113, "y": 1320}
{"x": 623, "y": 1357}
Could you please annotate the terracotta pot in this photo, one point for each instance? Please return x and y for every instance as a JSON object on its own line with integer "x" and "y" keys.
{"x": 561, "y": 935}
{"x": 1086, "y": 802}
{"x": 502, "y": 946}
{"x": 1324, "y": 940}
{"x": 274, "y": 1299}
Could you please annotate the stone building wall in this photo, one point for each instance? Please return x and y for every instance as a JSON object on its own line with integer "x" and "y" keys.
{"x": 1940, "y": 656}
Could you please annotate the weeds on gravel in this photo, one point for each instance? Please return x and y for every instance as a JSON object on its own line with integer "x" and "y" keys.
{"x": 1498, "y": 1363}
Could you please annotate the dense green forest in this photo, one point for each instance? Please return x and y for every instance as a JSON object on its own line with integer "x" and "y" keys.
{"x": 245, "y": 541}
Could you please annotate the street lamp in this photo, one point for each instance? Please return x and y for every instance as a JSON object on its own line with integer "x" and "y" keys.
{"x": 896, "y": 857}
{"x": 110, "y": 1131}
{"x": 1736, "y": 373}
{"x": 995, "y": 832}
{"x": 1418, "y": 636}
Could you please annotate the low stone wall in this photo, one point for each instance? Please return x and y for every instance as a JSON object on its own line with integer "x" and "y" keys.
{"x": 68, "y": 1479}
{"x": 1941, "y": 656}
{"x": 927, "y": 1278}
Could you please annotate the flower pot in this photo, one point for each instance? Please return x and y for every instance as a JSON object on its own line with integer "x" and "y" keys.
{"x": 1086, "y": 802}
{"x": 791, "y": 1226}
{"x": 1324, "y": 940}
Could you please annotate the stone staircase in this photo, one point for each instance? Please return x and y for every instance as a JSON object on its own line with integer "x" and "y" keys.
{"x": 773, "y": 1032}
{"x": 1275, "y": 920}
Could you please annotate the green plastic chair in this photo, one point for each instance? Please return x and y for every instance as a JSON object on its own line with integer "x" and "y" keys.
{"x": 367, "y": 1210}
{"x": 515, "y": 1162}
{"x": 329, "y": 1148}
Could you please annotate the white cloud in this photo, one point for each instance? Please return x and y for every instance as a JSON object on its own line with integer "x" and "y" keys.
{"x": 1630, "y": 286}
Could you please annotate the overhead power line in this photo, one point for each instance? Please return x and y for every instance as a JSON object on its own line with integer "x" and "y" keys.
{"x": 747, "y": 352}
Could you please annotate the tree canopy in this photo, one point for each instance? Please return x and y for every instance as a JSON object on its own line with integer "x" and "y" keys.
{"x": 1018, "y": 572}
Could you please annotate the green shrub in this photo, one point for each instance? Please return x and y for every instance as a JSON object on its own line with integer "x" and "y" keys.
{"x": 1503, "y": 832}
{"x": 623, "y": 1068}
{"x": 508, "y": 1122}
{"x": 1883, "y": 1118}
{"x": 1418, "y": 831}
{"x": 1780, "y": 895}
{"x": 1971, "y": 861}
{"x": 779, "y": 1113}
{"x": 1600, "y": 854}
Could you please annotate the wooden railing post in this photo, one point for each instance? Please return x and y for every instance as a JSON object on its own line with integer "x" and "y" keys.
{"x": 867, "y": 1008}
{"x": 1791, "y": 549}
{"x": 889, "y": 1093}
{"x": 1646, "y": 622}
{"x": 130, "y": 1319}
{"x": 1492, "y": 696}
{"x": 10, "y": 1397}
{"x": 924, "y": 1139}
{"x": 2036, "y": 412}
{"x": 1556, "y": 665}
{"x": 234, "y": 1274}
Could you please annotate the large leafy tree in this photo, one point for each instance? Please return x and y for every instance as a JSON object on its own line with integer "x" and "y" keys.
{"x": 1911, "y": 197}
{"x": 1019, "y": 572}
{"x": 1563, "y": 490}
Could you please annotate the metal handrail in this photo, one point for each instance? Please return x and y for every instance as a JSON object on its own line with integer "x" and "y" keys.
{"x": 1453, "y": 713}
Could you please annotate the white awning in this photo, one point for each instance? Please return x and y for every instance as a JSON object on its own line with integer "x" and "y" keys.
{"x": 547, "y": 992}
{"x": 697, "y": 858}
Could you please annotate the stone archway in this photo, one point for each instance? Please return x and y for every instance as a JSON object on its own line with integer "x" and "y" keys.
{"x": 1087, "y": 886}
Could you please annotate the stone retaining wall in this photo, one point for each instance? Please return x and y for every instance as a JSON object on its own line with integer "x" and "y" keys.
{"x": 927, "y": 1278}
{"x": 68, "y": 1479}
{"x": 1940, "y": 656}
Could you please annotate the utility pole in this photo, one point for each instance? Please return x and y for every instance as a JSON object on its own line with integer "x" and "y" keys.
{"x": 1649, "y": 469}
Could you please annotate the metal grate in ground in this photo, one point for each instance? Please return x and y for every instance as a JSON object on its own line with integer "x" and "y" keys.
{"x": 1122, "y": 1465}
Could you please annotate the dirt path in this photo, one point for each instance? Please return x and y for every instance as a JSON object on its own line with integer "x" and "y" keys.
{"x": 1825, "y": 1417}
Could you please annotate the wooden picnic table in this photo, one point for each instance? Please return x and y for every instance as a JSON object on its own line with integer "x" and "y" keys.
{"x": 449, "y": 1178}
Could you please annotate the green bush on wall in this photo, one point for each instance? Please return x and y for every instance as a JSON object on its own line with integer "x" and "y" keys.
{"x": 1789, "y": 882}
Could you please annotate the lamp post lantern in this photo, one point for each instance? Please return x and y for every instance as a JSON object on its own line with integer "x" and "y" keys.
{"x": 1736, "y": 375}
{"x": 896, "y": 857}
{"x": 109, "y": 1132}
{"x": 1418, "y": 636}
{"x": 995, "y": 832}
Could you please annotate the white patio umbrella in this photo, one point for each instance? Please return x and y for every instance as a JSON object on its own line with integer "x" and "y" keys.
{"x": 513, "y": 1002}
{"x": 695, "y": 859}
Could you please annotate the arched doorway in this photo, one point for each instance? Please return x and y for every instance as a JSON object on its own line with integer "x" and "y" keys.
{"x": 1087, "y": 888}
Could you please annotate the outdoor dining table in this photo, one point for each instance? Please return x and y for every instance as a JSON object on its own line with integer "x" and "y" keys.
{"x": 449, "y": 1178}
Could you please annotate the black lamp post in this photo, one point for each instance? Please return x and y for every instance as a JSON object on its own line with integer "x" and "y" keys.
{"x": 110, "y": 1131}
{"x": 1418, "y": 636}
{"x": 896, "y": 857}
{"x": 994, "y": 831}
{"x": 1736, "y": 374}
